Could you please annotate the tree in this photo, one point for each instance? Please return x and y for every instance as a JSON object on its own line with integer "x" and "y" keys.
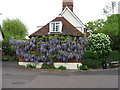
{"x": 14, "y": 28}
{"x": 109, "y": 9}
{"x": 111, "y": 28}
{"x": 95, "y": 25}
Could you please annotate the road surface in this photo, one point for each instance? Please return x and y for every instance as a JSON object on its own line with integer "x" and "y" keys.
{"x": 15, "y": 76}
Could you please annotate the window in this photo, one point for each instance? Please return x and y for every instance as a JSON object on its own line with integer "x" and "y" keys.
{"x": 55, "y": 26}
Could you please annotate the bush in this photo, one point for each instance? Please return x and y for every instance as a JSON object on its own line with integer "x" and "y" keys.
{"x": 83, "y": 67}
{"x": 114, "y": 56}
{"x": 90, "y": 54}
{"x": 45, "y": 66}
{"x": 7, "y": 49}
{"x": 62, "y": 68}
{"x": 92, "y": 63}
{"x": 31, "y": 65}
{"x": 91, "y": 59}
{"x": 8, "y": 53}
{"x": 100, "y": 43}
{"x": 115, "y": 39}
{"x": 9, "y": 58}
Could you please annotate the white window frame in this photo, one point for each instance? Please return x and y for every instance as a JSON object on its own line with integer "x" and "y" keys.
{"x": 55, "y": 23}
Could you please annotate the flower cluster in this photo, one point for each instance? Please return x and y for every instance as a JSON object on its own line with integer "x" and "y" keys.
{"x": 99, "y": 43}
{"x": 51, "y": 48}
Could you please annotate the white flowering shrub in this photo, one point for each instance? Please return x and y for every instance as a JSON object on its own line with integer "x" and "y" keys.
{"x": 99, "y": 43}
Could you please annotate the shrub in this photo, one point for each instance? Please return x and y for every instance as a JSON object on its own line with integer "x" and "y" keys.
{"x": 62, "y": 68}
{"x": 31, "y": 65}
{"x": 114, "y": 56}
{"x": 92, "y": 63}
{"x": 100, "y": 43}
{"x": 92, "y": 60}
{"x": 115, "y": 39}
{"x": 45, "y": 66}
{"x": 8, "y": 53}
{"x": 84, "y": 67}
{"x": 9, "y": 58}
{"x": 7, "y": 49}
{"x": 90, "y": 54}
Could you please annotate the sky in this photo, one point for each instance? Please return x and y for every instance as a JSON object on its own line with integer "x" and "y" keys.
{"x": 35, "y": 13}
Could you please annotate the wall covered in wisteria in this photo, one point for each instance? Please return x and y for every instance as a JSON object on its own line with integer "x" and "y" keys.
{"x": 50, "y": 49}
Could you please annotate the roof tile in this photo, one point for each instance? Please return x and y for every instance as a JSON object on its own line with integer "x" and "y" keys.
{"x": 67, "y": 28}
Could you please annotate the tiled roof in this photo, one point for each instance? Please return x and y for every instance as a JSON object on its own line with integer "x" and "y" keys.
{"x": 67, "y": 28}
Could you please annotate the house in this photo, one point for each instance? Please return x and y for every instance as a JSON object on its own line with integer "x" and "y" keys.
{"x": 65, "y": 23}
{"x": 1, "y": 34}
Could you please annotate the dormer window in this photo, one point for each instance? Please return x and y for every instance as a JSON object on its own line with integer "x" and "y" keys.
{"x": 55, "y": 26}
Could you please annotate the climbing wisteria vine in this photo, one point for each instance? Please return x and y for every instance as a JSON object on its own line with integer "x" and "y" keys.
{"x": 49, "y": 49}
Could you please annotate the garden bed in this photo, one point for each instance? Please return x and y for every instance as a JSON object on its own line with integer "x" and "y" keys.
{"x": 56, "y": 64}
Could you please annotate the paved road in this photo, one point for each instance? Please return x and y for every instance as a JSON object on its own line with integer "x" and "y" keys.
{"x": 15, "y": 76}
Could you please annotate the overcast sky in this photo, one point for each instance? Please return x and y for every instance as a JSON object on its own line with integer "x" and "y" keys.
{"x": 35, "y": 13}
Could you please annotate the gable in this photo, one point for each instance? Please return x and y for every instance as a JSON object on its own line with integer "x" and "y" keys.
{"x": 67, "y": 28}
{"x": 1, "y": 34}
{"x": 73, "y": 19}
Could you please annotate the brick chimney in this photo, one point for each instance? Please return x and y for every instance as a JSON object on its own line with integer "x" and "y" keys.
{"x": 68, "y": 3}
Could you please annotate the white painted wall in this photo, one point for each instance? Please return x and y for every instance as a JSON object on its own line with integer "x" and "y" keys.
{"x": 68, "y": 15}
{"x": 67, "y": 65}
{"x": 1, "y": 38}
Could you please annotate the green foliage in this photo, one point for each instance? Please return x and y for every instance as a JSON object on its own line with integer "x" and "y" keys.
{"x": 62, "y": 67}
{"x": 95, "y": 25}
{"x": 8, "y": 51}
{"x": 7, "y": 48}
{"x": 9, "y": 58}
{"x": 84, "y": 67}
{"x": 92, "y": 60}
{"x": 115, "y": 39}
{"x": 111, "y": 26}
{"x": 90, "y": 54}
{"x": 99, "y": 43}
{"x": 113, "y": 56}
{"x": 14, "y": 28}
{"x": 31, "y": 65}
{"x": 45, "y": 66}
{"x": 92, "y": 63}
